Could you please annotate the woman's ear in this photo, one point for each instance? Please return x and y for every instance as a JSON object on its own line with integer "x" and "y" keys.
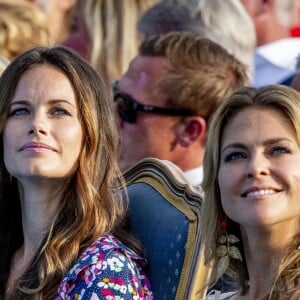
{"x": 190, "y": 130}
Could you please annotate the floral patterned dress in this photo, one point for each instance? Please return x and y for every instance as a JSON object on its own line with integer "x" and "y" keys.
{"x": 108, "y": 270}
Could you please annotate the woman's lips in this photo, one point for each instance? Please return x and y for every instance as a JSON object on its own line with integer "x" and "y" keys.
{"x": 36, "y": 147}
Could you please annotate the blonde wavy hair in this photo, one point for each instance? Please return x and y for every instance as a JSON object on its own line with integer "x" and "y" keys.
{"x": 111, "y": 25}
{"x": 287, "y": 102}
{"x": 91, "y": 204}
{"x": 22, "y": 26}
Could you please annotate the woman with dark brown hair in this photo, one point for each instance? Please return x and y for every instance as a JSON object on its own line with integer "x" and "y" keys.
{"x": 61, "y": 205}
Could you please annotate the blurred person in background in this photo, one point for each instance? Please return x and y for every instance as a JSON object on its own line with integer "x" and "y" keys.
{"x": 59, "y": 17}
{"x": 278, "y": 39}
{"x": 225, "y": 22}
{"x": 22, "y": 26}
{"x": 104, "y": 33}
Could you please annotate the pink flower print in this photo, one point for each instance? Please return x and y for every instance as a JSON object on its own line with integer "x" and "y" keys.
{"x": 118, "y": 281}
{"x": 114, "y": 284}
{"x": 107, "y": 292}
{"x": 118, "y": 285}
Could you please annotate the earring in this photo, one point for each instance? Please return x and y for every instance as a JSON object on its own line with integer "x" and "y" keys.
{"x": 226, "y": 249}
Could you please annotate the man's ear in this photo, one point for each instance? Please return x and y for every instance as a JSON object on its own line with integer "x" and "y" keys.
{"x": 190, "y": 130}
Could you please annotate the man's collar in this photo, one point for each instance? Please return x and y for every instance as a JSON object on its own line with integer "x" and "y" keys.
{"x": 194, "y": 176}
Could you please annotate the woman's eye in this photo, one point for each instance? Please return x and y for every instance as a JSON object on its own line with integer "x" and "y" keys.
{"x": 234, "y": 156}
{"x": 60, "y": 112}
{"x": 279, "y": 150}
{"x": 20, "y": 112}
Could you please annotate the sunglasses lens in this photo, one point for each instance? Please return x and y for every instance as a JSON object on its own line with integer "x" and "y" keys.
{"x": 125, "y": 109}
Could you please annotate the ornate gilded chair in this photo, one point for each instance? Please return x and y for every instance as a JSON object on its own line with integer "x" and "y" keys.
{"x": 164, "y": 212}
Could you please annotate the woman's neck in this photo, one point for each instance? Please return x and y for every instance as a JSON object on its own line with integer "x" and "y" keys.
{"x": 39, "y": 203}
{"x": 262, "y": 250}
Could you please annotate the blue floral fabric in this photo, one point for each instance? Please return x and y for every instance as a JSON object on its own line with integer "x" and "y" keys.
{"x": 108, "y": 270}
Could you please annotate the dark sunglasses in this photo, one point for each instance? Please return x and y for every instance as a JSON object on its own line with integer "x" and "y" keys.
{"x": 128, "y": 107}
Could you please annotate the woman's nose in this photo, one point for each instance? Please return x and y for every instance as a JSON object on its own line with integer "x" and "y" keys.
{"x": 38, "y": 124}
{"x": 258, "y": 165}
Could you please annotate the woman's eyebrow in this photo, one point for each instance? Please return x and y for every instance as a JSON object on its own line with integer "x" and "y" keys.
{"x": 265, "y": 143}
{"x": 234, "y": 145}
{"x": 24, "y": 102}
{"x": 54, "y": 101}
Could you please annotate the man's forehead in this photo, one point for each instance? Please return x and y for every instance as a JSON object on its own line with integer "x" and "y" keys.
{"x": 147, "y": 70}
{"x": 149, "y": 64}
{"x": 142, "y": 79}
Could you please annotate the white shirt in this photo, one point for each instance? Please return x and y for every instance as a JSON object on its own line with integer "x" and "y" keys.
{"x": 194, "y": 176}
{"x": 282, "y": 55}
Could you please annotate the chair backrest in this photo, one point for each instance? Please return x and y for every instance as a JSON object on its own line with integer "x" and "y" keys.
{"x": 164, "y": 212}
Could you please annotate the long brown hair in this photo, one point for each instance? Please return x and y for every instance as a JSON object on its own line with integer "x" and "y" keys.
{"x": 91, "y": 204}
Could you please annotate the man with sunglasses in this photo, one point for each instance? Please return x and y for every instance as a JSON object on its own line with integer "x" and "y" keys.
{"x": 167, "y": 96}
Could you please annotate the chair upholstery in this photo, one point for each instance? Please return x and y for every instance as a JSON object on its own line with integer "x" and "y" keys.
{"x": 164, "y": 212}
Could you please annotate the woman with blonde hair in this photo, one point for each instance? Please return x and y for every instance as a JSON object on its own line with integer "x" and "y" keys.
{"x": 59, "y": 15}
{"x": 22, "y": 26}
{"x": 61, "y": 205}
{"x": 250, "y": 218}
{"x": 104, "y": 32}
